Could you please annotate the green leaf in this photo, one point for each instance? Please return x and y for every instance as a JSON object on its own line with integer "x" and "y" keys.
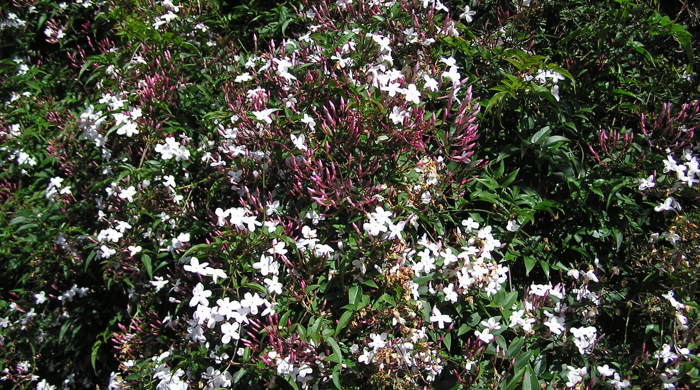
{"x": 27, "y": 227}
{"x": 530, "y": 262}
{"x": 146, "y": 260}
{"x": 194, "y": 249}
{"x": 545, "y": 267}
{"x": 370, "y": 283}
{"x": 514, "y": 347}
{"x": 510, "y": 178}
{"x": 93, "y": 354}
{"x": 336, "y": 377}
{"x": 64, "y": 328}
{"x": 354, "y": 294}
{"x": 513, "y": 382}
{"x": 239, "y": 375}
{"x": 448, "y": 341}
{"x": 337, "y": 356}
{"x": 556, "y": 138}
{"x": 538, "y": 135}
{"x": 343, "y": 321}
{"x": 16, "y": 220}
{"x": 523, "y": 359}
{"x": 464, "y": 328}
{"x": 530, "y": 379}
{"x": 89, "y": 259}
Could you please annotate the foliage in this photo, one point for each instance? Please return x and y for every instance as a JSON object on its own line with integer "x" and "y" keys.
{"x": 345, "y": 194}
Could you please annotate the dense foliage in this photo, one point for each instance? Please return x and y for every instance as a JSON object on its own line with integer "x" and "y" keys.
{"x": 349, "y": 194}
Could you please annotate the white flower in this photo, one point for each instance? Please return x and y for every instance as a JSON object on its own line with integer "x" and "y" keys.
{"x": 440, "y": 318}
{"x": 283, "y": 66}
{"x": 484, "y": 335}
{"x": 309, "y": 121}
{"x": 267, "y": 265}
{"x": 179, "y": 241}
{"x": 605, "y": 371}
{"x": 512, "y": 226}
{"x": 555, "y": 323}
{"x": 516, "y": 319}
{"x": 44, "y": 385}
{"x": 40, "y": 298}
{"x": 470, "y": 224}
{"x": 273, "y": 285}
{"x": 106, "y": 252}
{"x": 666, "y": 354}
{"x": 230, "y": 331}
{"x": 128, "y": 194}
{"x": 575, "y": 375}
{"x": 411, "y": 94}
{"x": 127, "y": 126}
{"x": 365, "y": 357}
{"x": 453, "y": 74}
{"x": 133, "y": 250}
{"x": 199, "y": 296}
{"x": 298, "y": 141}
{"x": 450, "y": 294}
{"x": 215, "y": 273}
{"x": 467, "y": 14}
{"x": 430, "y": 83}
{"x": 645, "y": 184}
{"x": 555, "y": 92}
{"x": 397, "y": 115}
{"x": 277, "y": 248}
{"x": 252, "y": 301}
{"x": 392, "y": 89}
{"x": 584, "y": 338}
{"x": 676, "y": 305}
{"x": 540, "y": 289}
{"x": 158, "y": 282}
{"x": 264, "y": 115}
{"x": 669, "y": 204}
{"x": 172, "y": 149}
{"x": 378, "y": 341}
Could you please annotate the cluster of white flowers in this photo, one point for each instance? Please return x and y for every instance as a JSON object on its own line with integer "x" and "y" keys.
{"x": 309, "y": 242}
{"x": 71, "y": 293}
{"x": 380, "y": 222}
{"x": 54, "y": 34}
{"x": 92, "y": 122}
{"x": 285, "y": 366}
{"x": 206, "y": 317}
{"x": 178, "y": 242}
{"x": 584, "y": 338}
{"x": 172, "y": 149}
{"x": 12, "y": 131}
{"x": 615, "y": 381}
{"x": 410, "y": 348}
{"x": 170, "y": 380}
{"x": 519, "y": 318}
{"x": 687, "y": 173}
{"x": 203, "y": 269}
{"x": 168, "y": 16}
{"x": 22, "y": 67}
{"x": 112, "y": 235}
{"x": 56, "y": 188}
{"x": 489, "y": 326}
{"x": 215, "y": 379}
{"x": 22, "y": 158}
{"x": 681, "y": 319}
{"x": 126, "y": 122}
{"x": 575, "y": 375}
{"x": 453, "y": 70}
{"x": 239, "y": 217}
{"x": 544, "y": 76}
{"x": 12, "y": 21}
